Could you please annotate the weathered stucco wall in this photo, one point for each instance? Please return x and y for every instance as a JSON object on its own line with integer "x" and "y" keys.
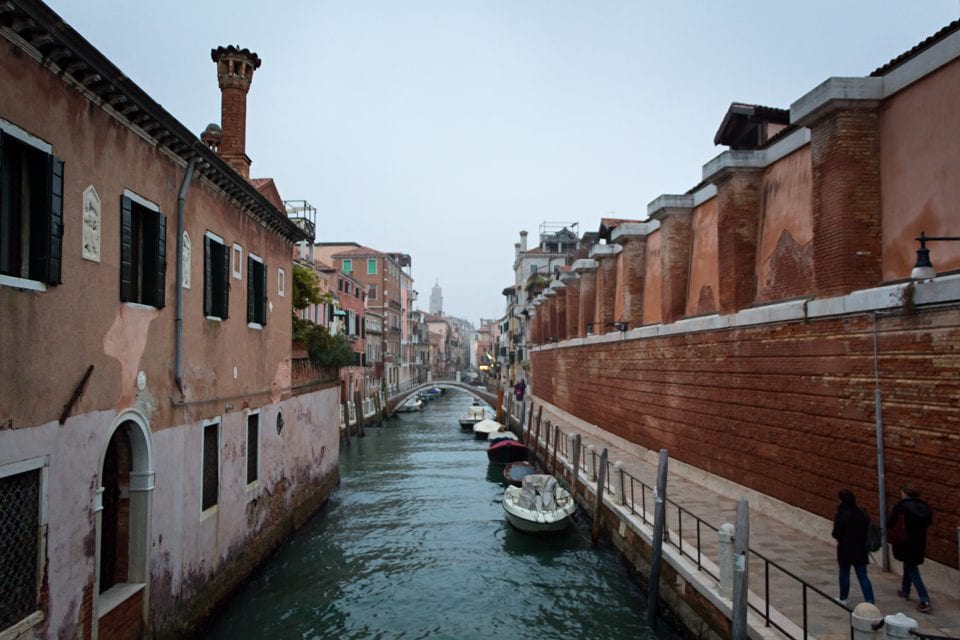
{"x": 784, "y": 248}
{"x": 704, "y": 283}
{"x": 652, "y": 281}
{"x": 785, "y": 409}
{"x": 920, "y": 185}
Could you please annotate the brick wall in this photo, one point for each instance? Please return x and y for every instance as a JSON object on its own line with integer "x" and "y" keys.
{"x": 785, "y": 409}
{"x": 125, "y": 621}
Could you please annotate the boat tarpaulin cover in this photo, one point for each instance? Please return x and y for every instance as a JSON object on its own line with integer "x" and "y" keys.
{"x": 538, "y": 493}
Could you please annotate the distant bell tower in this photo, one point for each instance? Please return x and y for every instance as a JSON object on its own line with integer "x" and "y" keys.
{"x": 436, "y": 300}
{"x": 235, "y": 67}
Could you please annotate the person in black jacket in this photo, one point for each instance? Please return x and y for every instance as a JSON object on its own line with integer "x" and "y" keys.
{"x": 917, "y": 517}
{"x": 850, "y": 527}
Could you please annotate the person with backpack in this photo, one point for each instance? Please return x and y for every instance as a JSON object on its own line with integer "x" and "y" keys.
{"x": 907, "y": 532}
{"x": 851, "y": 527}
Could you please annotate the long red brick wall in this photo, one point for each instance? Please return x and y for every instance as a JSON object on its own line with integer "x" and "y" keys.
{"x": 786, "y": 409}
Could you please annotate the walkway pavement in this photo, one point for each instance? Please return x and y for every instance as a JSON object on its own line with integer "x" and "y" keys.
{"x": 809, "y": 557}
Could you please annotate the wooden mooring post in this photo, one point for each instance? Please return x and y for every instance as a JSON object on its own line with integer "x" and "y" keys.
{"x": 346, "y": 420}
{"x": 556, "y": 442}
{"x": 741, "y": 547}
{"x": 576, "y": 466}
{"x": 659, "y": 524}
{"x": 500, "y": 405}
{"x": 601, "y": 480}
{"x": 536, "y": 442}
{"x": 358, "y": 401}
{"x": 546, "y": 445}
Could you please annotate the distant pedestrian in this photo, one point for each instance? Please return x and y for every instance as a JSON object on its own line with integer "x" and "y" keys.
{"x": 850, "y": 528}
{"x": 913, "y": 516}
{"x": 519, "y": 389}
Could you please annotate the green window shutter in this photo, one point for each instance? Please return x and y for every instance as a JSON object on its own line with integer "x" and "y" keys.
{"x": 161, "y": 260}
{"x": 54, "y": 257}
{"x": 225, "y": 275}
{"x": 207, "y": 276}
{"x": 251, "y": 290}
{"x": 126, "y": 249}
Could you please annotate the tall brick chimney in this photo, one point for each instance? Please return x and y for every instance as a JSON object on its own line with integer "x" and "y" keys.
{"x": 235, "y": 69}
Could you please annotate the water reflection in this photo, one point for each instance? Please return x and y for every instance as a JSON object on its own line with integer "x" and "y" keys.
{"x": 414, "y": 544}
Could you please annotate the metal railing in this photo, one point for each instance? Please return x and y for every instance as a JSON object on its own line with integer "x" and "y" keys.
{"x": 637, "y": 495}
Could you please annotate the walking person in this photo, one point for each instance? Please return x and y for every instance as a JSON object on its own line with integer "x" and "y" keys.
{"x": 850, "y": 528}
{"x": 912, "y": 516}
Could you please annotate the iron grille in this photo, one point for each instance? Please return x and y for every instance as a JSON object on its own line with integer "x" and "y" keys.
{"x": 19, "y": 546}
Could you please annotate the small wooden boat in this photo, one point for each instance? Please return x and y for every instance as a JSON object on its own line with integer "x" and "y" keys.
{"x": 515, "y": 472}
{"x": 539, "y": 505}
{"x": 475, "y": 413}
{"x": 484, "y": 428}
{"x": 507, "y": 451}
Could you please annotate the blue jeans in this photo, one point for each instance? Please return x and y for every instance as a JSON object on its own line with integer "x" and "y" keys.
{"x": 865, "y": 586}
{"x": 911, "y": 574}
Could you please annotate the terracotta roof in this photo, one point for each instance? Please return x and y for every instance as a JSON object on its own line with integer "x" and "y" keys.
{"x": 268, "y": 188}
{"x": 919, "y": 48}
{"x": 359, "y": 251}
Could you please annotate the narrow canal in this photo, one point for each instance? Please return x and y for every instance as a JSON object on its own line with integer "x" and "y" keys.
{"x": 414, "y": 544}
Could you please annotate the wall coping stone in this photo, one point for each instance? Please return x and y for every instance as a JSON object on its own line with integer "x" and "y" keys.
{"x": 604, "y": 250}
{"x": 584, "y": 264}
{"x": 939, "y": 290}
{"x": 634, "y": 230}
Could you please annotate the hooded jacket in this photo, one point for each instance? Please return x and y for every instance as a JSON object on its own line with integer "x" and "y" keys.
{"x": 917, "y": 517}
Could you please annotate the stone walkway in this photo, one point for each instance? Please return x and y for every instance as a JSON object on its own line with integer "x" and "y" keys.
{"x": 806, "y": 555}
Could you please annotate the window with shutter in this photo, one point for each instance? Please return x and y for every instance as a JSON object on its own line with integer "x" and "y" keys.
{"x": 216, "y": 271}
{"x": 211, "y": 466}
{"x": 256, "y": 291}
{"x": 143, "y": 253}
{"x": 31, "y": 211}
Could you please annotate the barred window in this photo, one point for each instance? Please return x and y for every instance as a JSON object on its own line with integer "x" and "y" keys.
{"x": 19, "y": 546}
{"x": 211, "y": 466}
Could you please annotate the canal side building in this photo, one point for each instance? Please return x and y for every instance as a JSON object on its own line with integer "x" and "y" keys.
{"x": 154, "y": 444}
{"x": 764, "y": 325}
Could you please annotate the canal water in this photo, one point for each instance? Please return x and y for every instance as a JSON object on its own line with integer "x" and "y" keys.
{"x": 414, "y": 544}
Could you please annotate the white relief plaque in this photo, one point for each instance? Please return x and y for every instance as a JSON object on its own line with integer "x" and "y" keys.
{"x": 91, "y": 224}
{"x": 186, "y": 260}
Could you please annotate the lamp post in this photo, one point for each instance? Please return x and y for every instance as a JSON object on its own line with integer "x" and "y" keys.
{"x": 923, "y": 269}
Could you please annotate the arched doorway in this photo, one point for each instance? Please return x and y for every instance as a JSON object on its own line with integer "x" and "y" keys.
{"x": 123, "y": 526}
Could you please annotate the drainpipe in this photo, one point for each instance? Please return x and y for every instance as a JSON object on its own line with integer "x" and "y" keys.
{"x": 181, "y": 201}
{"x": 881, "y": 472}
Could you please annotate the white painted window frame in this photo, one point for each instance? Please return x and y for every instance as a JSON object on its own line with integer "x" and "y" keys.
{"x": 252, "y": 487}
{"x": 236, "y": 261}
{"x": 215, "y": 237}
{"x": 41, "y": 463}
{"x": 256, "y": 258}
{"x": 218, "y": 421}
{"x": 14, "y": 131}
{"x": 281, "y": 282}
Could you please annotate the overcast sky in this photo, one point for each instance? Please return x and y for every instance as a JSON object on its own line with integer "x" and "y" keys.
{"x": 443, "y": 128}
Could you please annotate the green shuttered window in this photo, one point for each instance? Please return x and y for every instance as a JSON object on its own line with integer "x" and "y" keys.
{"x": 256, "y": 291}
{"x": 216, "y": 273}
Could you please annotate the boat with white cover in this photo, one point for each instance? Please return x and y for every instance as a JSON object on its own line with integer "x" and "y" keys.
{"x": 539, "y": 505}
{"x": 484, "y": 428}
{"x": 475, "y": 413}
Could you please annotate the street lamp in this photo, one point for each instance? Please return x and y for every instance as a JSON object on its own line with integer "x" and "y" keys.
{"x": 923, "y": 269}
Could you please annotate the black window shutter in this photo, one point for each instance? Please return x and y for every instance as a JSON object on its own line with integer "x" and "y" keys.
{"x": 161, "y": 260}
{"x": 251, "y": 291}
{"x": 262, "y": 298}
{"x": 55, "y": 250}
{"x": 207, "y": 276}
{"x": 126, "y": 249}
{"x": 225, "y": 274}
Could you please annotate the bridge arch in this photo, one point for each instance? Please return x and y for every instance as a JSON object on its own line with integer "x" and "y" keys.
{"x": 478, "y": 392}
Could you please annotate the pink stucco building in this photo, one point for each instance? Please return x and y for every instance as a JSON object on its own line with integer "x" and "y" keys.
{"x": 153, "y": 448}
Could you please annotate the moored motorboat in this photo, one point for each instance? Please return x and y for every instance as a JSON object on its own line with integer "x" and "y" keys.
{"x": 410, "y": 404}
{"x": 515, "y": 472}
{"x": 475, "y": 413}
{"x": 507, "y": 451}
{"x": 501, "y": 434}
{"x": 539, "y": 505}
{"x": 484, "y": 428}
